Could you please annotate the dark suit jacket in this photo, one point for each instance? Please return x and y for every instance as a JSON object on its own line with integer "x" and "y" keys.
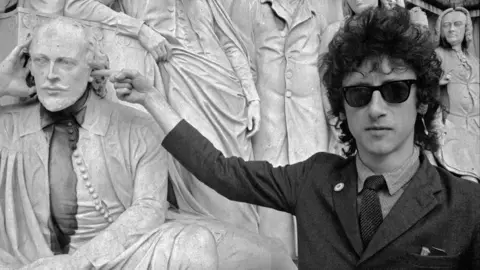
{"x": 436, "y": 209}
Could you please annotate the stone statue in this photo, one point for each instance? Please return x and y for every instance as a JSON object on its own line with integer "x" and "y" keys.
{"x": 285, "y": 37}
{"x": 209, "y": 81}
{"x": 419, "y": 17}
{"x": 208, "y": 73}
{"x": 84, "y": 179}
{"x": 460, "y": 152}
{"x": 105, "y": 205}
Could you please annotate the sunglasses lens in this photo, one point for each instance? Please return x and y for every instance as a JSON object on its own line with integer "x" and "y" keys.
{"x": 358, "y": 96}
{"x": 396, "y": 92}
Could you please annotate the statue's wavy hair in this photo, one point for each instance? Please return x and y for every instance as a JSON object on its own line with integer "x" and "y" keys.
{"x": 467, "y": 42}
{"x": 96, "y": 58}
{"x": 374, "y": 35}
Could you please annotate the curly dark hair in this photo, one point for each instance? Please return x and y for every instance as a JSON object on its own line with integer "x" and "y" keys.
{"x": 376, "y": 34}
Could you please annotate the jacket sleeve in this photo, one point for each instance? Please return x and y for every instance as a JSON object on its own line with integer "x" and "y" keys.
{"x": 254, "y": 182}
{"x": 149, "y": 205}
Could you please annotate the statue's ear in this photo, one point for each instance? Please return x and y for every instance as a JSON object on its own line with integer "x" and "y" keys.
{"x": 90, "y": 78}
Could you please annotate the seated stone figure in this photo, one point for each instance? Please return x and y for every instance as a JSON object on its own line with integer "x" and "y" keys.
{"x": 82, "y": 176}
{"x": 83, "y": 180}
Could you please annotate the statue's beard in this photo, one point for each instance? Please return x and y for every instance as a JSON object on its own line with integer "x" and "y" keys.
{"x": 58, "y": 101}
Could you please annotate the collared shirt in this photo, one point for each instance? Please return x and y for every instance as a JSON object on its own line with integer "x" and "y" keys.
{"x": 397, "y": 181}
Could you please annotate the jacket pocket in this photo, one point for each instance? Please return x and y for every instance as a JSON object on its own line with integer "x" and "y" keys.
{"x": 433, "y": 262}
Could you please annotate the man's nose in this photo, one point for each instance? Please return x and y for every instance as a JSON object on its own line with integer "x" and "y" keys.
{"x": 52, "y": 73}
{"x": 377, "y": 105}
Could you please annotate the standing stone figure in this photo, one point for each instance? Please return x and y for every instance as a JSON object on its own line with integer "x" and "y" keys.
{"x": 285, "y": 38}
{"x": 460, "y": 152}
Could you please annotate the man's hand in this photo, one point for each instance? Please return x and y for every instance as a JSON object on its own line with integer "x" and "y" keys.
{"x": 131, "y": 86}
{"x": 154, "y": 43}
{"x": 13, "y": 73}
{"x": 253, "y": 114}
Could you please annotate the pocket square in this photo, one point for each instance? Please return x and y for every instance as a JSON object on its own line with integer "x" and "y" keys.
{"x": 432, "y": 251}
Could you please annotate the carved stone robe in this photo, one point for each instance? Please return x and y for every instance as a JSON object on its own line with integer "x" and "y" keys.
{"x": 209, "y": 83}
{"x": 119, "y": 154}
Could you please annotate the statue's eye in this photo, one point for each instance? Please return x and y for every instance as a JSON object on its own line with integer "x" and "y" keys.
{"x": 40, "y": 61}
{"x": 66, "y": 63}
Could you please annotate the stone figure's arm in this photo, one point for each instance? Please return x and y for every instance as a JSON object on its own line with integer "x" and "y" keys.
{"x": 240, "y": 64}
{"x": 149, "y": 204}
{"x": 243, "y": 14}
{"x": 92, "y": 10}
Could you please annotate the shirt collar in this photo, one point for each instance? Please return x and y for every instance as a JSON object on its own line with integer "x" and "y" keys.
{"x": 276, "y": 3}
{"x": 76, "y": 111}
{"x": 395, "y": 179}
{"x": 97, "y": 118}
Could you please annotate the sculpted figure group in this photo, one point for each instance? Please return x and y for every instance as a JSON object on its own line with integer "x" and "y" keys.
{"x": 84, "y": 179}
{"x": 460, "y": 122}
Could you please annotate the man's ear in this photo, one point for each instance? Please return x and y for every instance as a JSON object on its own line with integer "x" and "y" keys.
{"x": 422, "y": 109}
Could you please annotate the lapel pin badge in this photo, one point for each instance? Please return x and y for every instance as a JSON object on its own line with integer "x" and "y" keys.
{"x": 338, "y": 187}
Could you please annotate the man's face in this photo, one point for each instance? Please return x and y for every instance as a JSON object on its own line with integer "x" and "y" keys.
{"x": 453, "y": 27}
{"x": 381, "y": 128}
{"x": 358, "y": 6}
{"x": 59, "y": 66}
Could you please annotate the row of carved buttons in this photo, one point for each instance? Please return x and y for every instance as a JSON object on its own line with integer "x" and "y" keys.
{"x": 100, "y": 206}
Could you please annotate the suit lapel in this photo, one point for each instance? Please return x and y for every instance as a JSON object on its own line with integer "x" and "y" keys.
{"x": 417, "y": 201}
{"x": 345, "y": 204}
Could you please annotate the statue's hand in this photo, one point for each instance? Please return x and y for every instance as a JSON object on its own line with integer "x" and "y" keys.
{"x": 13, "y": 73}
{"x": 154, "y": 43}
{"x": 131, "y": 86}
{"x": 253, "y": 114}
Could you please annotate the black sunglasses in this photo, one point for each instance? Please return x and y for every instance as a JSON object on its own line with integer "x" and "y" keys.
{"x": 392, "y": 92}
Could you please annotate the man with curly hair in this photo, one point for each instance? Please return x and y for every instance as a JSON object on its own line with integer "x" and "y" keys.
{"x": 384, "y": 206}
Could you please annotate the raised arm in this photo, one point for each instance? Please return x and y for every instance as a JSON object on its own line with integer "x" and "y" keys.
{"x": 256, "y": 182}
{"x": 149, "y": 203}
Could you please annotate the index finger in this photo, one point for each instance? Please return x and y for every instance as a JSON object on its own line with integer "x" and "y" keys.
{"x": 104, "y": 72}
{"x": 124, "y": 74}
